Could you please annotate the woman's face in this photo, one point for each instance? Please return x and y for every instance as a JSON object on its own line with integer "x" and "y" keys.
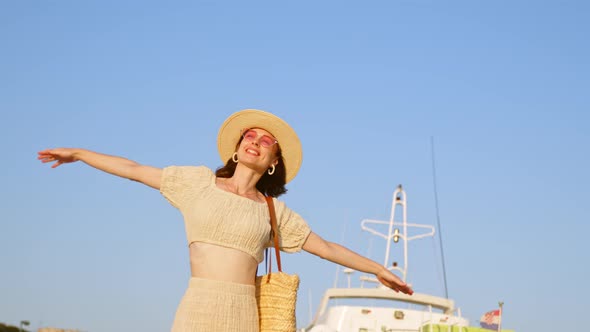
{"x": 258, "y": 149}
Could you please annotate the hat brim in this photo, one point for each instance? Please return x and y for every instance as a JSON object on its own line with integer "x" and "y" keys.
{"x": 230, "y": 131}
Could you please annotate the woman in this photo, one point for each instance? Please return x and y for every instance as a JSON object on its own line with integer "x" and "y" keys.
{"x": 226, "y": 217}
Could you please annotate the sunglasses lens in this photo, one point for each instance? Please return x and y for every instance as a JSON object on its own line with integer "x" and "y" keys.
{"x": 266, "y": 141}
{"x": 250, "y": 135}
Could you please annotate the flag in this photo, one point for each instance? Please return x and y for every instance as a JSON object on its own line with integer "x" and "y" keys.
{"x": 490, "y": 320}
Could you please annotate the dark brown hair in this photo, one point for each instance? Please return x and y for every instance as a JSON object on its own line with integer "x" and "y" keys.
{"x": 269, "y": 185}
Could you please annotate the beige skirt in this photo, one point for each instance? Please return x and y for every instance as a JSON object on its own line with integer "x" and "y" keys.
{"x": 213, "y": 305}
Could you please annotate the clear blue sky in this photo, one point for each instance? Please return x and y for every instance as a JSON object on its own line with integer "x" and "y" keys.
{"x": 502, "y": 86}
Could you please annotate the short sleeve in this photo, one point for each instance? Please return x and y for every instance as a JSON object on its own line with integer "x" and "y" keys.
{"x": 293, "y": 230}
{"x": 179, "y": 183}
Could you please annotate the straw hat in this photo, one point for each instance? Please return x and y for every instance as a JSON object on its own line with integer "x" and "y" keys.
{"x": 230, "y": 131}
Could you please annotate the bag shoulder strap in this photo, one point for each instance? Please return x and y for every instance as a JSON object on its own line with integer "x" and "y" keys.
{"x": 275, "y": 232}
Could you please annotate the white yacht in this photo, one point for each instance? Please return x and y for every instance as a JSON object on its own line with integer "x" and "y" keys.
{"x": 375, "y": 308}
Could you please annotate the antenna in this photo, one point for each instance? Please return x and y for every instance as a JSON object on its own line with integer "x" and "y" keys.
{"x": 442, "y": 253}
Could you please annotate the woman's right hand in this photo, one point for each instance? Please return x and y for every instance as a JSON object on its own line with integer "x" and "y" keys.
{"x": 118, "y": 166}
{"x": 60, "y": 156}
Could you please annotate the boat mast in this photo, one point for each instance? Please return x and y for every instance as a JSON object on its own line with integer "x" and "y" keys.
{"x": 394, "y": 235}
{"x": 399, "y": 198}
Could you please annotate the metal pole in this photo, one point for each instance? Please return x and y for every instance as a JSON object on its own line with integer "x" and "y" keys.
{"x": 310, "y": 314}
{"x": 391, "y": 217}
{"x": 430, "y": 319}
{"x": 442, "y": 253}
{"x": 405, "y": 227}
{"x": 500, "y": 318}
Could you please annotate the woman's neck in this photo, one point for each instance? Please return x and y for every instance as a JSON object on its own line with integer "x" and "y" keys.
{"x": 243, "y": 183}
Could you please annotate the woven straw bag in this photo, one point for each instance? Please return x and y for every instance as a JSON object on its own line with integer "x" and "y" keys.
{"x": 276, "y": 292}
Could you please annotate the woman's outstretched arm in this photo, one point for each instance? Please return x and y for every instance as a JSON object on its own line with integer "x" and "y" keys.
{"x": 118, "y": 166}
{"x": 345, "y": 257}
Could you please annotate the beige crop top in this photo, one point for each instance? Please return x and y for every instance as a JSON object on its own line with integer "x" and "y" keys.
{"x": 215, "y": 216}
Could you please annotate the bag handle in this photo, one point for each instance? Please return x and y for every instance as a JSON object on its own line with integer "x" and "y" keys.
{"x": 275, "y": 232}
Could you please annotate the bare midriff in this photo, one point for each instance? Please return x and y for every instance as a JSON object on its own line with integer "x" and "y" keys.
{"x": 210, "y": 261}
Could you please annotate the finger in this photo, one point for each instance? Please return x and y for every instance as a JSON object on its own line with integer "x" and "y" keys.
{"x": 47, "y": 155}
{"x": 394, "y": 286}
{"x": 404, "y": 288}
{"x": 47, "y": 159}
{"x": 46, "y": 152}
{"x": 56, "y": 164}
{"x": 408, "y": 291}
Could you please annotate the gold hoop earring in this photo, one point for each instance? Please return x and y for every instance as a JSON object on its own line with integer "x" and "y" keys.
{"x": 271, "y": 170}
{"x": 234, "y": 157}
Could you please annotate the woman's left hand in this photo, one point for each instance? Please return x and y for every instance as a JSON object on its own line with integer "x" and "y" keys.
{"x": 392, "y": 281}
{"x": 345, "y": 257}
